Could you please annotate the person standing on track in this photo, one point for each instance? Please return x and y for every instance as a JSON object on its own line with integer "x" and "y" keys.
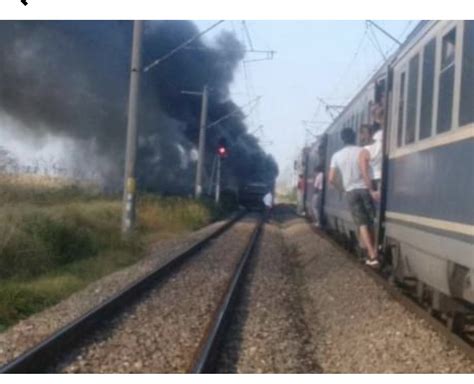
{"x": 359, "y": 197}
{"x": 268, "y": 203}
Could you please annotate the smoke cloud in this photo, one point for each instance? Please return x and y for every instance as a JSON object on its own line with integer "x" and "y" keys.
{"x": 70, "y": 79}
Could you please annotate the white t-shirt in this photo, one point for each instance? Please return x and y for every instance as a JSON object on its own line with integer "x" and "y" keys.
{"x": 267, "y": 200}
{"x": 347, "y": 161}
{"x": 375, "y": 152}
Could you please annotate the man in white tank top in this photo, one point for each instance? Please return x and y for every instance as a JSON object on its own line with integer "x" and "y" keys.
{"x": 346, "y": 161}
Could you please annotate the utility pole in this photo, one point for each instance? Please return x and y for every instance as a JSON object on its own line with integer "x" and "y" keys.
{"x": 202, "y": 139}
{"x": 128, "y": 216}
{"x": 202, "y": 143}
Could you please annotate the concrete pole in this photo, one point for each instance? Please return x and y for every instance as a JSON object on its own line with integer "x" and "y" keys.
{"x": 202, "y": 144}
{"x": 218, "y": 179}
{"x": 128, "y": 216}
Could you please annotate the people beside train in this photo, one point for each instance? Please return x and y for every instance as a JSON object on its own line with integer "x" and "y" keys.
{"x": 300, "y": 194}
{"x": 359, "y": 195}
{"x": 370, "y": 162}
{"x": 365, "y": 135}
{"x": 318, "y": 191}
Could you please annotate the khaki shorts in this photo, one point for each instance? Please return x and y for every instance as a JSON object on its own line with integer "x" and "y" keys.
{"x": 361, "y": 206}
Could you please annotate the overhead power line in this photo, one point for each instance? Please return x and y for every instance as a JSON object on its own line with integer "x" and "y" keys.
{"x": 375, "y": 41}
{"x": 236, "y": 110}
{"x": 348, "y": 68}
{"x": 181, "y": 46}
{"x": 384, "y": 32}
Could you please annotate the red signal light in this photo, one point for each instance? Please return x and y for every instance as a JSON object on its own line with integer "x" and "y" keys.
{"x": 222, "y": 151}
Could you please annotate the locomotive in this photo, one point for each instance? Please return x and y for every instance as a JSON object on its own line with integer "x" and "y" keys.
{"x": 251, "y": 195}
{"x": 423, "y": 99}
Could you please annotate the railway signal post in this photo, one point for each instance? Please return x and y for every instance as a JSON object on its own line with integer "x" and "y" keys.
{"x": 128, "y": 216}
{"x": 222, "y": 152}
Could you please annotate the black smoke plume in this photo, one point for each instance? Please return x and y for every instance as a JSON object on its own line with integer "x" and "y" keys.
{"x": 70, "y": 78}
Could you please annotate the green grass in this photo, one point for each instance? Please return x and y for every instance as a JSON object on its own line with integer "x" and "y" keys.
{"x": 57, "y": 239}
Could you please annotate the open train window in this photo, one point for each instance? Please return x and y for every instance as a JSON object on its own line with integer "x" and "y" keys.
{"x": 446, "y": 82}
{"x": 427, "y": 88}
{"x": 412, "y": 98}
{"x": 466, "y": 110}
{"x": 401, "y": 109}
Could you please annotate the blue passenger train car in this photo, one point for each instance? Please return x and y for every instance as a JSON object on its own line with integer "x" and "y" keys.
{"x": 430, "y": 159}
{"x": 426, "y": 216}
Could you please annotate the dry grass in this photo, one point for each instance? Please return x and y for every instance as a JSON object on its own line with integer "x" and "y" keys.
{"x": 44, "y": 190}
{"x": 56, "y": 237}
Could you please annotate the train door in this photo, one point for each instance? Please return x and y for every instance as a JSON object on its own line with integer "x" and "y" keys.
{"x": 385, "y": 93}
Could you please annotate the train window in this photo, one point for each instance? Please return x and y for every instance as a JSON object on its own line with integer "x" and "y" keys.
{"x": 412, "y": 99}
{"x": 466, "y": 111}
{"x": 446, "y": 83}
{"x": 401, "y": 109}
{"x": 449, "y": 45}
{"x": 427, "y": 87}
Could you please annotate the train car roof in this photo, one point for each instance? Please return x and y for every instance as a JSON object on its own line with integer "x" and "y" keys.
{"x": 381, "y": 71}
{"x": 421, "y": 29}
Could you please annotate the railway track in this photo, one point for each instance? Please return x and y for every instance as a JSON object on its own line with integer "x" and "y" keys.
{"x": 463, "y": 342}
{"x": 62, "y": 347}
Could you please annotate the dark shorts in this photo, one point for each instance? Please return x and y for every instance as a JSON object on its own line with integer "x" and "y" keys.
{"x": 361, "y": 206}
{"x": 376, "y": 185}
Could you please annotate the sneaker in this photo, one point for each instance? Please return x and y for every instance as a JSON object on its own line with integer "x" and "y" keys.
{"x": 372, "y": 263}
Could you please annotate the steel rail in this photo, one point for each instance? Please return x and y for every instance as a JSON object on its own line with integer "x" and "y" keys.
{"x": 203, "y": 360}
{"x": 408, "y": 302}
{"x": 49, "y": 352}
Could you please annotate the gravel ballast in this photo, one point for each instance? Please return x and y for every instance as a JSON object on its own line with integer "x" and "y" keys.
{"x": 31, "y": 331}
{"x": 161, "y": 333}
{"x": 305, "y": 306}
{"x": 268, "y": 333}
{"x": 356, "y": 326}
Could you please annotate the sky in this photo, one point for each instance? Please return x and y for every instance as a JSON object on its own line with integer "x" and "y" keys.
{"x": 313, "y": 60}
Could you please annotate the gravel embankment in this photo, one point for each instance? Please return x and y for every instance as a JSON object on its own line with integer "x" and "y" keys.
{"x": 356, "y": 325}
{"x": 31, "y": 331}
{"x": 161, "y": 333}
{"x": 268, "y": 333}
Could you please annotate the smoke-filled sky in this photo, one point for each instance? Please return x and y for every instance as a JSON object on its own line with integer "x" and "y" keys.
{"x": 314, "y": 59}
{"x": 68, "y": 81}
